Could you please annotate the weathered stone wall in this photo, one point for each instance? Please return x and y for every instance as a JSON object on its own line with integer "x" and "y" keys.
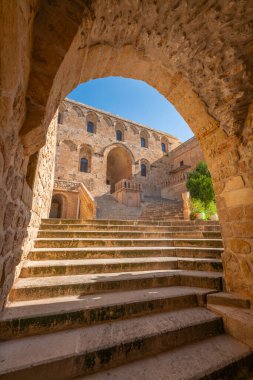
{"x": 181, "y": 161}
{"x": 197, "y": 54}
{"x": 74, "y": 142}
{"x": 41, "y": 193}
{"x": 17, "y": 18}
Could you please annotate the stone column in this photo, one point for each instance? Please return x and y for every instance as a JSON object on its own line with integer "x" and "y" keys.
{"x": 186, "y": 205}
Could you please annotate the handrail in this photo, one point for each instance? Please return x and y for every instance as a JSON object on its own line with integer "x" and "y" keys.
{"x": 128, "y": 184}
{"x": 88, "y": 204}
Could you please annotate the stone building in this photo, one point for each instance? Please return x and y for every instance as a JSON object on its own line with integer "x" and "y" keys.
{"x": 99, "y": 149}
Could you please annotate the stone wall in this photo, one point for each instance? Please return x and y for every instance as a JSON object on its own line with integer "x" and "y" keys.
{"x": 42, "y": 189}
{"x": 17, "y": 19}
{"x": 196, "y": 54}
{"x": 181, "y": 161}
{"x": 74, "y": 142}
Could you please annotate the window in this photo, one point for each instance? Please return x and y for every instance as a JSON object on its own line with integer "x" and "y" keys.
{"x": 143, "y": 142}
{"x": 84, "y": 165}
{"x": 143, "y": 170}
{"x": 119, "y": 135}
{"x": 60, "y": 118}
{"x": 90, "y": 127}
{"x": 164, "y": 147}
{"x": 181, "y": 163}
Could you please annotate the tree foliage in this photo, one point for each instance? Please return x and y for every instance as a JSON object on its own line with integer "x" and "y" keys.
{"x": 199, "y": 184}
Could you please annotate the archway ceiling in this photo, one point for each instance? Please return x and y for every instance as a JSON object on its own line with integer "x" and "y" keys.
{"x": 197, "y": 54}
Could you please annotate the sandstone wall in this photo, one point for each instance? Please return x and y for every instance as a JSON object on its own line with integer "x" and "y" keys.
{"x": 74, "y": 142}
{"x": 41, "y": 193}
{"x": 181, "y": 161}
{"x": 17, "y": 18}
{"x": 196, "y": 54}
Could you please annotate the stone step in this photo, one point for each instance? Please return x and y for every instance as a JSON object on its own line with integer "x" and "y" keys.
{"x": 218, "y": 357}
{"x": 110, "y": 242}
{"x": 78, "y": 352}
{"x": 230, "y": 299}
{"x": 57, "y": 286}
{"x": 79, "y": 266}
{"x": 101, "y": 227}
{"x": 26, "y": 318}
{"x": 127, "y": 222}
{"x": 128, "y": 234}
{"x": 122, "y": 252}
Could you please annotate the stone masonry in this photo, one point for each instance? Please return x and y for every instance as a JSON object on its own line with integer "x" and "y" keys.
{"x": 197, "y": 54}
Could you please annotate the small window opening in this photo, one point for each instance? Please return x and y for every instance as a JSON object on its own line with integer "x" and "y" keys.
{"x": 143, "y": 170}
{"x": 119, "y": 135}
{"x": 60, "y": 118}
{"x": 90, "y": 127}
{"x": 84, "y": 165}
{"x": 181, "y": 163}
{"x": 143, "y": 142}
{"x": 163, "y": 147}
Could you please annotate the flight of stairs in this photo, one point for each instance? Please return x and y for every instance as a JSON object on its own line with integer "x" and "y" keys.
{"x": 109, "y": 208}
{"x": 113, "y": 299}
{"x": 162, "y": 209}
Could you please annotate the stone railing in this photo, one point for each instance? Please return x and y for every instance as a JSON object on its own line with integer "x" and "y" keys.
{"x": 87, "y": 207}
{"x": 128, "y": 185}
{"x": 61, "y": 184}
{"x": 128, "y": 192}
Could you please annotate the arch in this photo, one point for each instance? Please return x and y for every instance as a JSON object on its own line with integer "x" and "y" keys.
{"x": 85, "y": 158}
{"x": 58, "y": 206}
{"x": 144, "y": 139}
{"x": 91, "y": 122}
{"x": 78, "y": 111}
{"x": 146, "y": 163}
{"x": 164, "y": 144}
{"x": 109, "y": 147}
{"x": 163, "y": 53}
{"x": 120, "y": 131}
{"x": 118, "y": 166}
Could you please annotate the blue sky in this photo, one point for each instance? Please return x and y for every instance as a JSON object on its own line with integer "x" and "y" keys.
{"x": 134, "y": 100}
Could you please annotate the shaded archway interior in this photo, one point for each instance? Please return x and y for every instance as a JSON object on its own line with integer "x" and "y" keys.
{"x": 119, "y": 166}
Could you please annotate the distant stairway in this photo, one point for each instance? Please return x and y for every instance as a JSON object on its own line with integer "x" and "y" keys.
{"x": 109, "y": 208}
{"x": 161, "y": 209}
{"x": 95, "y": 296}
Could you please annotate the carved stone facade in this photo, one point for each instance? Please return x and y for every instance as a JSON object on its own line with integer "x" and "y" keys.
{"x": 99, "y": 149}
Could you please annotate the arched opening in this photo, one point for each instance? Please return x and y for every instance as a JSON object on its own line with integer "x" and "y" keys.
{"x": 119, "y": 166}
{"x": 163, "y": 54}
{"x": 56, "y": 206}
{"x": 84, "y": 164}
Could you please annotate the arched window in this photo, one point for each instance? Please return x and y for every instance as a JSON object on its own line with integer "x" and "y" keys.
{"x": 119, "y": 135}
{"x": 143, "y": 170}
{"x": 143, "y": 142}
{"x": 60, "y": 118}
{"x": 84, "y": 165}
{"x": 163, "y": 147}
{"x": 90, "y": 127}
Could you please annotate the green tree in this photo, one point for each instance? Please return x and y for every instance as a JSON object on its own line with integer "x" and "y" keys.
{"x": 199, "y": 184}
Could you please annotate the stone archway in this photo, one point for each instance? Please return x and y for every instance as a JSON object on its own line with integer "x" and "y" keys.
{"x": 186, "y": 50}
{"x": 56, "y": 207}
{"x": 119, "y": 166}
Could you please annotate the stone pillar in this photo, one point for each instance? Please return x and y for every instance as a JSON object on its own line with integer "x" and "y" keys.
{"x": 186, "y": 205}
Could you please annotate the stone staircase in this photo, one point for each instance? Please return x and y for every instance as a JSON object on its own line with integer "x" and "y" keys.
{"x": 151, "y": 209}
{"x": 162, "y": 209}
{"x": 113, "y": 299}
{"x": 109, "y": 208}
